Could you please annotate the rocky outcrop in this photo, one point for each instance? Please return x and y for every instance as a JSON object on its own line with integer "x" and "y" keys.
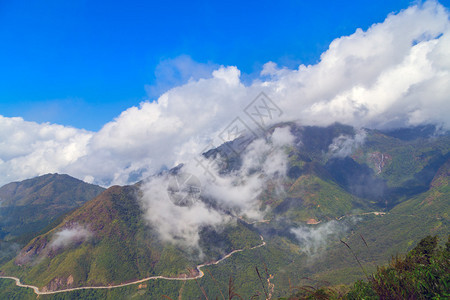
{"x": 59, "y": 283}
{"x": 28, "y": 254}
{"x": 379, "y": 160}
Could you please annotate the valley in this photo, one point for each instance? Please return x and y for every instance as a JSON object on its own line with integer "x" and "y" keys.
{"x": 110, "y": 247}
{"x": 186, "y": 278}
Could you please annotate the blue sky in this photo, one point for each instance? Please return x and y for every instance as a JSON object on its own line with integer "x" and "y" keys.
{"x": 81, "y": 63}
{"x": 85, "y": 65}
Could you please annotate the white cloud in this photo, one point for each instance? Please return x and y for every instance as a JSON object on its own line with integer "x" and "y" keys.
{"x": 314, "y": 239}
{"x": 28, "y": 149}
{"x": 69, "y": 236}
{"x": 234, "y": 193}
{"x": 344, "y": 145}
{"x": 396, "y": 73}
{"x": 282, "y": 136}
{"x": 177, "y": 224}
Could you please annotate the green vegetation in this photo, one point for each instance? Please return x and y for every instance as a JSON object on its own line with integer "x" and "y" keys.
{"x": 9, "y": 290}
{"x": 386, "y": 235}
{"x": 311, "y": 197}
{"x": 408, "y": 166}
{"x": 122, "y": 249}
{"x": 424, "y": 273}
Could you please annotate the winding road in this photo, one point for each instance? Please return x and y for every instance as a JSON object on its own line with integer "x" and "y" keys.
{"x": 200, "y": 275}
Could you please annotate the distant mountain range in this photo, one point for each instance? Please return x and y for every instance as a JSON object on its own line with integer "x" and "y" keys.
{"x": 379, "y": 191}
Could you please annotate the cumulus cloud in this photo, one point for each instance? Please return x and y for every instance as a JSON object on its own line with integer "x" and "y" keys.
{"x": 396, "y": 73}
{"x": 28, "y": 149}
{"x": 224, "y": 195}
{"x": 69, "y": 236}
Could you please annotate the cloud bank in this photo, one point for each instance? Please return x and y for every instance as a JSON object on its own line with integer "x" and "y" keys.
{"x": 224, "y": 195}
{"x": 396, "y": 73}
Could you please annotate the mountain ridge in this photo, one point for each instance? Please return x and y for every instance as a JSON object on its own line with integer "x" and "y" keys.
{"x": 316, "y": 198}
{"x": 29, "y": 206}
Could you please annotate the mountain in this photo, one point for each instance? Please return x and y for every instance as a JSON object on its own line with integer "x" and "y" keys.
{"x": 395, "y": 232}
{"x": 107, "y": 242}
{"x": 29, "y": 206}
{"x": 380, "y": 192}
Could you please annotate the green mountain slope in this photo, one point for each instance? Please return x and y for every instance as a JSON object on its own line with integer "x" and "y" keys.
{"x": 395, "y": 232}
{"x": 386, "y": 235}
{"x": 29, "y": 206}
{"x": 311, "y": 198}
{"x": 407, "y": 166}
{"x": 111, "y": 244}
